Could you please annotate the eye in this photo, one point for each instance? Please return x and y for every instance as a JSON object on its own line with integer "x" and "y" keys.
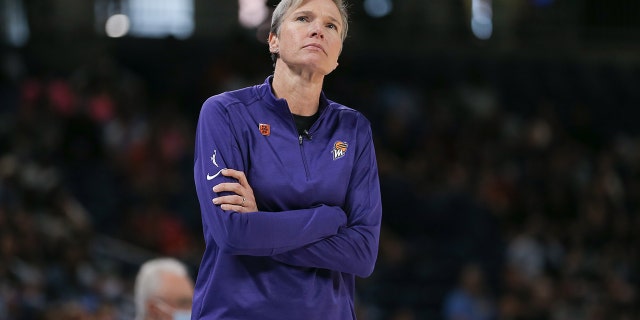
{"x": 302, "y": 18}
{"x": 332, "y": 26}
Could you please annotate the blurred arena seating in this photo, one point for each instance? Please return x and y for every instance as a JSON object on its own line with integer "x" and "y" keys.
{"x": 519, "y": 156}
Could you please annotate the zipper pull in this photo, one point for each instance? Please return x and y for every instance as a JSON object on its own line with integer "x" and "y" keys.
{"x": 300, "y": 139}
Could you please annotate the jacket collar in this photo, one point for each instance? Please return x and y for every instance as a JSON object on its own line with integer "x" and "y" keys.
{"x": 265, "y": 91}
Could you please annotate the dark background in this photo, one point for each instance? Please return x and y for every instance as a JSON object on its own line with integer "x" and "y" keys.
{"x": 517, "y": 155}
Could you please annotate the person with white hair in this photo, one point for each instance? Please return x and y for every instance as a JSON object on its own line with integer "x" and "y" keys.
{"x": 163, "y": 290}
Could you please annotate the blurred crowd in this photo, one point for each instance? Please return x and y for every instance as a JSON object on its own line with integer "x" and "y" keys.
{"x": 511, "y": 190}
{"x": 96, "y": 177}
{"x": 511, "y": 185}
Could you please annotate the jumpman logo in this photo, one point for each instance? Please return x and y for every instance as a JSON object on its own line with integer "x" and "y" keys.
{"x": 213, "y": 157}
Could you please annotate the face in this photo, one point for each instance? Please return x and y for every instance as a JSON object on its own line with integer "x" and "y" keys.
{"x": 174, "y": 296}
{"x": 310, "y": 37}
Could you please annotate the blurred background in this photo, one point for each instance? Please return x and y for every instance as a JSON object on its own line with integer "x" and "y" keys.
{"x": 506, "y": 134}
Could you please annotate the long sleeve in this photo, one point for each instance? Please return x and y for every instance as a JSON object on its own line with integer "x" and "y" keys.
{"x": 316, "y": 206}
{"x": 257, "y": 233}
{"x": 354, "y": 248}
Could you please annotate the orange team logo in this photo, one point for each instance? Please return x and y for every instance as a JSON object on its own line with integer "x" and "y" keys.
{"x": 265, "y": 129}
{"x": 339, "y": 149}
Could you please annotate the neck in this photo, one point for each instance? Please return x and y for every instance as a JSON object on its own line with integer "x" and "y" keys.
{"x": 302, "y": 91}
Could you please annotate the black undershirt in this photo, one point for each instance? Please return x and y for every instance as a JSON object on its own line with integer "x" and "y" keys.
{"x": 304, "y": 123}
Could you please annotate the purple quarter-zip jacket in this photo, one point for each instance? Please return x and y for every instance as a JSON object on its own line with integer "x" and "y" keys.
{"x": 320, "y": 209}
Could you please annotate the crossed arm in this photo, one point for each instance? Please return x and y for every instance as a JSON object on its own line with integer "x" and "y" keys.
{"x": 343, "y": 239}
{"x": 352, "y": 249}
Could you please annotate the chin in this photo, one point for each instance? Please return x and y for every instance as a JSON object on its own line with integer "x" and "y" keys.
{"x": 311, "y": 64}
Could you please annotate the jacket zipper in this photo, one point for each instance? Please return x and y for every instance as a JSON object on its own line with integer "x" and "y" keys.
{"x": 304, "y": 158}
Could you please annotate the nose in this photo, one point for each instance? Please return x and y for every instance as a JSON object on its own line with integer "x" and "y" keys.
{"x": 316, "y": 30}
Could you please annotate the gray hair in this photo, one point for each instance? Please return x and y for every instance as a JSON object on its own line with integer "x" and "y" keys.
{"x": 285, "y": 5}
{"x": 148, "y": 280}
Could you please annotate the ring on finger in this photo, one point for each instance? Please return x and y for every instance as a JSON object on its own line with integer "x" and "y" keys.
{"x": 242, "y": 203}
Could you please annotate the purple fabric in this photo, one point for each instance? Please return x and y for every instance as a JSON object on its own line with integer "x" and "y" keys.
{"x": 320, "y": 209}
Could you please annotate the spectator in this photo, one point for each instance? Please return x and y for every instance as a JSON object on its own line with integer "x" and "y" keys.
{"x": 163, "y": 290}
{"x": 470, "y": 300}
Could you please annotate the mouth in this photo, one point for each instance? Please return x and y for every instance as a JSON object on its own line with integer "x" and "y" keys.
{"x": 315, "y": 46}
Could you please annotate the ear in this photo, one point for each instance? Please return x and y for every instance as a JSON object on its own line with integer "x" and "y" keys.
{"x": 273, "y": 43}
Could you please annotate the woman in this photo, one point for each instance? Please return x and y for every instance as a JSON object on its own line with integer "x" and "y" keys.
{"x": 287, "y": 182}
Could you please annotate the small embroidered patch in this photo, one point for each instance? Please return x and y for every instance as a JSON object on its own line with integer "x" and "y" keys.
{"x": 339, "y": 149}
{"x": 265, "y": 129}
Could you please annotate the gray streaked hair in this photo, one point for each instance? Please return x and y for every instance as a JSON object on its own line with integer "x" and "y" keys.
{"x": 148, "y": 280}
{"x": 286, "y": 5}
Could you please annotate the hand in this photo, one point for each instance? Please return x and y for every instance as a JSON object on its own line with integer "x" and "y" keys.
{"x": 243, "y": 201}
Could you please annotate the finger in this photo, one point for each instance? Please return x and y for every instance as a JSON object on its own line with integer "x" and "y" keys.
{"x": 238, "y": 175}
{"x": 232, "y": 199}
{"x": 233, "y": 207}
{"x": 228, "y": 186}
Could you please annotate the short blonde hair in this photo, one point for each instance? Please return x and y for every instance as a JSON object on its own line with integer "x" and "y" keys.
{"x": 285, "y": 5}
